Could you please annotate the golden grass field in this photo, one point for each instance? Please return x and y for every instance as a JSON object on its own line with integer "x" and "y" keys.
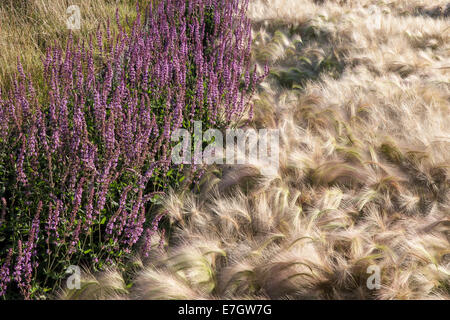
{"x": 363, "y": 109}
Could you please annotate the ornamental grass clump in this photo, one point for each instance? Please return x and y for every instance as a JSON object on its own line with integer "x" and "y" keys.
{"x": 82, "y": 160}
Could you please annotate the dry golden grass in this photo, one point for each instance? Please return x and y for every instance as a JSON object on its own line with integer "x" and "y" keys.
{"x": 364, "y": 175}
{"x": 28, "y": 27}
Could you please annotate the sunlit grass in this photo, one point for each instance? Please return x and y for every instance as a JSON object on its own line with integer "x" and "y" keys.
{"x": 28, "y": 27}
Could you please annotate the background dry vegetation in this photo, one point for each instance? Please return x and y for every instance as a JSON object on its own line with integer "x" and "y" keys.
{"x": 364, "y": 178}
{"x": 28, "y": 27}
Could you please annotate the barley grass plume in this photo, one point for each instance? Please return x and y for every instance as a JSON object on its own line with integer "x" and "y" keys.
{"x": 364, "y": 120}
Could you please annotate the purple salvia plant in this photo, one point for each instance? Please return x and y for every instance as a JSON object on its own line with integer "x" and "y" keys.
{"x": 149, "y": 234}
